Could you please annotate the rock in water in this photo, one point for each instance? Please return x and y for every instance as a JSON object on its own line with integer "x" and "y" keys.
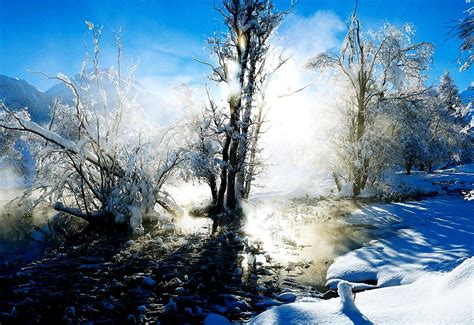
{"x": 169, "y": 228}
{"x": 287, "y": 296}
{"x": 238, "y": 272}
{"x": 149, "y": 282}
{"x": 215, "y": 319}
{"x": 170, "y": 307}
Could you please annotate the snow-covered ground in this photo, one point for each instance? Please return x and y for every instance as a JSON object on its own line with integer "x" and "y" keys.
{"x": 439, "y": 298}
{"x": 420, "y": 269}
{"x": 441, "y": 181}
{"x": 421, "y": 237}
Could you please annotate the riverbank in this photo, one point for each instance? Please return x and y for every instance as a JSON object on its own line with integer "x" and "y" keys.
{"x": 421, "y": 272}
{"x": 281, "y": 252}
{"x": 181, "y": 271}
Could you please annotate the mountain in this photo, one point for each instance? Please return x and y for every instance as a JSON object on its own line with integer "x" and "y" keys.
{"x": 17, "y": 93}
{"x": 467, "y": 95}
{"x": 63, "y": 92}
{"x": 154, "y": 107}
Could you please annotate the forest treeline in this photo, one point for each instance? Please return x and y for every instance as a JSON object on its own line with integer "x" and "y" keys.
{"x": 98, "y": 159}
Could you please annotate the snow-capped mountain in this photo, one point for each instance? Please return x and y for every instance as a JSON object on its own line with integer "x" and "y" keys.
{"x": 467, "y": 95}
{"x": 157, "y": 108}
{"x": 62, "y": 91}
{"x": 17, "y": 93}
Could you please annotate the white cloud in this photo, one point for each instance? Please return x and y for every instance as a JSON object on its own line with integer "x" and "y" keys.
{"x": 306, "y": 36}
{"x": 300, "y": 123}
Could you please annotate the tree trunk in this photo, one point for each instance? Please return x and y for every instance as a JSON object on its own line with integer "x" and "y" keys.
{"x": 336, "y": 180}
{"x": 365, "y": 174}
{"x": 356, "y": 187}
{"x": 242, "y": 178}
{"x": 231, "y": 173}
{"x": 223, "y": 184}
{"x": 408, "y": 167}
{"x": 361, "y": 175}
{"x": 213, "y": 186}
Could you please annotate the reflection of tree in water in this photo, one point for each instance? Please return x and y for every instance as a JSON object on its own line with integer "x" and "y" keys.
{"x": 177, "y": 275}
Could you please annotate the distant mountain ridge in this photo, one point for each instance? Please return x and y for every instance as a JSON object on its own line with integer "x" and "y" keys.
{"x": 154, "y": 107}
{"x": 467, "y": 95}
{"x": 17, "y": 94}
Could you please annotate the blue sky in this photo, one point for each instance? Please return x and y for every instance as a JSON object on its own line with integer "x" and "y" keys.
{"x": 164, "y": 36}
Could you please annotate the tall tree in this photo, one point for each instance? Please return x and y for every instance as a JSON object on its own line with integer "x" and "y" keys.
{"x": 449, "y": 94}
{"x": 464, "y": 30}
{"x": 380, "y": 67}
{"x": 241, "y": 54}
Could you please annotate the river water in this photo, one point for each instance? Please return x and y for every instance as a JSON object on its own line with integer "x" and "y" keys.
{"x": 300, "y": 238}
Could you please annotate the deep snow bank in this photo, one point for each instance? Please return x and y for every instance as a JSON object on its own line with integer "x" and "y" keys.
{"x": 420, "y": 237}
{"x": 421, "y": 268}
{"x": 437, "y": 298}
{"x": 459, "y": 178}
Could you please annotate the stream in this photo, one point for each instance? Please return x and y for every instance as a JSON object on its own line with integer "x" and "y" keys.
{"x": 278, "y": 253}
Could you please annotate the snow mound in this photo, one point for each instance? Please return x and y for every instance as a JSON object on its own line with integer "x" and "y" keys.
{"x": 439, "y": 298}
{"x": 344, "y": 290}
{"x": 419, "y": 238}
{"x": 459, "y": 276}
{"x": 354, "y": 269}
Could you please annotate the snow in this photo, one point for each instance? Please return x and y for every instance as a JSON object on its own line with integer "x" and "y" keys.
{"x": 420, "y": 237}
{"x": 439, "y": 182}
{"x": 344, "y": 290}
{"x": 440, "y": 298}
{"x": 419, "y": 270}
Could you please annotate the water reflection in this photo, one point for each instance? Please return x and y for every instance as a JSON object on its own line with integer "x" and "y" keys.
{"x": 294, "y": 240}
{"x": 303, "y": 237}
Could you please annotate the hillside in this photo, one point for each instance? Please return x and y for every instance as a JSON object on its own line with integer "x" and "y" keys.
{"x": 17, "y": 93}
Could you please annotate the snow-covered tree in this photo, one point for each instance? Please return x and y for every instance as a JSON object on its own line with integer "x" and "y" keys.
{"x": 465, "y": 31}
{"x": 98, "y": 159}
{"x": 380, "y": 68}
{"x": 207, "y": 136}
{"x": 426, "y": 133}
{"x": 411, "y": 134}
{"x": 449, "y": 94}
{"x": 241, "y": 54}
{"x": 444, "y": 136}
{"x": 11, "y": 155}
